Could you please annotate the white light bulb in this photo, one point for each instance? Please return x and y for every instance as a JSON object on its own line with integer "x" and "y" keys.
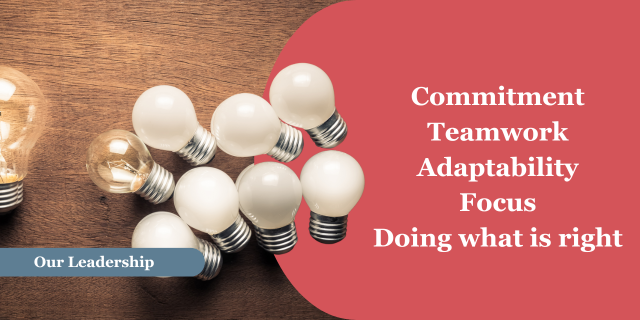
{"x": 166, "y": 230}
{"x": 302, "y": 96}
{"x": 245, "y": 125}
{"x": 270, "y": 194}
{"x": 332, "y": 184}
{"x": 24, "y": 111}
{"x": 207, "y": 200}
{"x": 119, "y": 162}
{"x": 164, "y": 118}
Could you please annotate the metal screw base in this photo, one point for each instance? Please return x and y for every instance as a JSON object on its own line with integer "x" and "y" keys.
{"x": 234, "y": 238}
{"x": 327, "y": 229}
{"x": 201, "y": 148}
{"x": 159, "y": 185}
{"x": 10, "y": 196}
{"x": 331, "y": 133}
{"x": 289, "y": 145}
{"x": 212, "y": 261}
{"x": 277, "y": 241}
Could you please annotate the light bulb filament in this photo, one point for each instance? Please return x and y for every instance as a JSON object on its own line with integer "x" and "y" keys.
{"x": 121, "y": 164}
{"x": 7, "y": 175}
{"x": 122, "y": 171}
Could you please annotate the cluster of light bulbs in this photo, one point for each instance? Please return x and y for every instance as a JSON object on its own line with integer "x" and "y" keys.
{"x": 268, "y": 194}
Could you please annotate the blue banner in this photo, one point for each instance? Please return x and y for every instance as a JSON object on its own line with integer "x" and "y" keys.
{"x": 100, "y": 262}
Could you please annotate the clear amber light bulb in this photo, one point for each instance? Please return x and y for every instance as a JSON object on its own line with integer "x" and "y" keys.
{"x": 23, "y": 114}
{"x": 119, "y": 162}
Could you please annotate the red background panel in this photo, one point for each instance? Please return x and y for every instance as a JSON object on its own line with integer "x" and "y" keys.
{"x": 376, "y": 53}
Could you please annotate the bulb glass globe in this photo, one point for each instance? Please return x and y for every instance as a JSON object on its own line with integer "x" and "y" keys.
{"x": 163, "y": 230}
{"x": 118, "y": 162}
{"x": 23, "y": 114}
{"x": 270, "y": 194}
{"x": 245, "y": 125}
{"x": 166, "y": 230}
{"x": 332, "y": 183}
{"x": 207, "y": 200}
{"x": 302, "y": 95}
{"x": 164, "y": 118}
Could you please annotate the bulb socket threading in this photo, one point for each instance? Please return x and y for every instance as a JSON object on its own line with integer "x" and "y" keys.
{"x": 234, "y": 238}
{"x": 159, "y": 185}
{"x": 212, "y": 261}
{"x": 289, "y": 145}
{"x": 326, "y": 229}
{"x": 11, "y": 195}
{"x": 331, "y": 133}
{"x": 201, "y": 148}
{"x": 277, "y": 241}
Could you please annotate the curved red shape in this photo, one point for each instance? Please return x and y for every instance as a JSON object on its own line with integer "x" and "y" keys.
{"x": 376, "y": 54}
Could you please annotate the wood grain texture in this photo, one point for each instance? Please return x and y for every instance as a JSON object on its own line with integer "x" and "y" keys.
{"x": 92, "y": 60}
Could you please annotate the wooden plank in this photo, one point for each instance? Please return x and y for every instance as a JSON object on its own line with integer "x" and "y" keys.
{"x": 92, "y": 60}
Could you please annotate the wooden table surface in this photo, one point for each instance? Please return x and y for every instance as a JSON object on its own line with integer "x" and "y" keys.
{"x": 92, "y": 60}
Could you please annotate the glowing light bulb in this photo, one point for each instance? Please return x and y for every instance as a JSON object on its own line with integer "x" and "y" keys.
{"x": 245, "y": 125}
{"x": 166, "y": 230}
{"x": 270, "y": 194}
{"x": 207, "y": 200}
{"x": 164, "y": 118}
{"x": 332, "y": 184}
{"x": 119, "y": 162}
{"x": 302, "y": 96}
{"x": 23, "y": 114}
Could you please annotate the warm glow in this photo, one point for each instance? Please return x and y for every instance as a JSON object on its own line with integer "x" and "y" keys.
{"x": 122, "y": 175}
{"x": 16, "y": 144}
{"x": 6, "y": 175}
{"x": 9, "y": 178}
{"x": 32, "y": 113}
{"x": 7, "y": 88}
{"x": 118, "y": 146}
{"x": 4, "y": 130}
